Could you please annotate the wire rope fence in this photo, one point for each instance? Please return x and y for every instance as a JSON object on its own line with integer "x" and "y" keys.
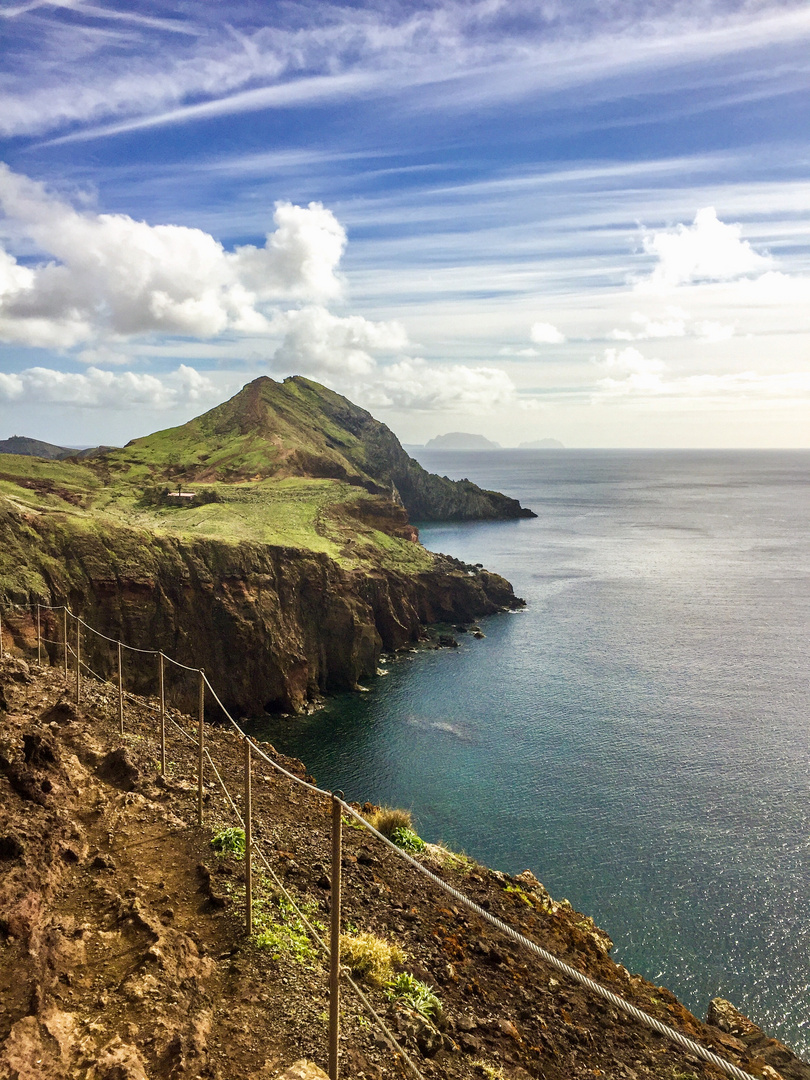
{"x": 194, "y": 683}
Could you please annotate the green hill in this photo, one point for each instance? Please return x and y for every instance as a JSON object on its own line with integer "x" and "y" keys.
{"x": 299, "y": 428}
{"x": 293, "y": 465}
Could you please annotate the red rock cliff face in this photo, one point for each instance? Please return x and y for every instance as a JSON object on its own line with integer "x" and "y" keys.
{"x": 273, "y": 627}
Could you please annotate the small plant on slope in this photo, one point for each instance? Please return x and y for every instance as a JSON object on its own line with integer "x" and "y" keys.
{"x": 279, "y": 929}
{"x": 408, "y": 840}
{"x": 229, "y": 841}
{"x": 389, "y": 818}
{"x": 369, "y": 957}
{"x": 417, "y": 995}
{"x": 397, "y": 825}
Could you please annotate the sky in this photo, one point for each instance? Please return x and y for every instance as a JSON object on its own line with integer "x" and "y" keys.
{"x": 526, "y": 219}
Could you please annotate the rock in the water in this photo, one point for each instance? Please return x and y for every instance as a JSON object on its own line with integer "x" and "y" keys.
{"x": 118, "y": 769}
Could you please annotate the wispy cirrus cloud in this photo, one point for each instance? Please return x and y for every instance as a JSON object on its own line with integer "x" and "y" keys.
{"x": 476, "y": 52}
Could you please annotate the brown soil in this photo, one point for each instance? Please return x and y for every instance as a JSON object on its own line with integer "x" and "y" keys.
{"x": 123, "y": 953}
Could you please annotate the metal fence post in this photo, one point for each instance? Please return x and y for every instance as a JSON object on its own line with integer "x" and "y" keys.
{"x": 64, "y": 628}
{"x": 201, "y": 749}
{"x": 334, "y": 940}
{"x": 120, "y": 688}
{"x": 162, "y": 717}
{"x": 248, "y": 843}
{"x": 39, "y": 640}
{"x": 78, "y": 659}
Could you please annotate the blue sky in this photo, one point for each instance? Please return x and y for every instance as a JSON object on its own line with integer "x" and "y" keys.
{"x": 588, "y": 221}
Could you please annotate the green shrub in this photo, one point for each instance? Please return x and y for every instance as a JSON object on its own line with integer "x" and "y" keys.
{"x": 397, "y": 825}
{"x": 408, "y": 840}
{"x": 416, "y": 995}
{"x": 229, "y": 841}
{"x": 388, "y": 818}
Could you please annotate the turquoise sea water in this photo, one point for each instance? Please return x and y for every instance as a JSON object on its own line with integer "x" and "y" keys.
{"x": 640, "y": 735}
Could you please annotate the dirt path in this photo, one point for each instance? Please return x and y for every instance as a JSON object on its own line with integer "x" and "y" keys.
{"x": 123, "y": 953}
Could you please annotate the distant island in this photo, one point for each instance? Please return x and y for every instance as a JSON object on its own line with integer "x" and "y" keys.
{"x": 461, "y": 440}
{"x": 467, "y": 440}
{"x": 542, "y": 444}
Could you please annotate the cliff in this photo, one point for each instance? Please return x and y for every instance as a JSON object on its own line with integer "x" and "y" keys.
{"x": 275, "y": 627}
{"x": 284, "y": 566}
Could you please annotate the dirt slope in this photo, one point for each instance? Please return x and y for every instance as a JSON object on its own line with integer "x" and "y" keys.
{"x": 123, "y": 953}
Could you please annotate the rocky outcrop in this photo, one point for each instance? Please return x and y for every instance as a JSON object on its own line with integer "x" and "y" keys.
{"x": 273, "y": 627}
{"x": 741, "y": 1034}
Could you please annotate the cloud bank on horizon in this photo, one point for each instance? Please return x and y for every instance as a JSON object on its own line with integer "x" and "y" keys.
{"x": 581, "y": 220}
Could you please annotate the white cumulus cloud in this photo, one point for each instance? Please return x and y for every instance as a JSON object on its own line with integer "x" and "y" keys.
{"x": 318, "y": 342}
{"x": 543, "y": 333}
{"x": 706, "y": 250}
{"x": 97, "y": 389}
{"x": 712, "y": 331}
{"x": 416, "y": 384}
{"x": 108, "y": 274}
{"x": 629, "y": 371}
{"x": 103, "y": 356}
{"x": 673, "y": 324}
{"x": 632, "y": 376}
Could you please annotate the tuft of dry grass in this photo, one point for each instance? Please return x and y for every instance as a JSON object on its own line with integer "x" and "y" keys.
{"x": 369, "y": 957}
{"x": 488, "y": 1070}
{"x": 387, "y": 819}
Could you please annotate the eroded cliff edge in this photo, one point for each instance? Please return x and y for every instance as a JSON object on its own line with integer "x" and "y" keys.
{"x": 274, "y": 627}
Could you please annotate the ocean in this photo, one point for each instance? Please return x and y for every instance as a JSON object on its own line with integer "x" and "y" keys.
{"x": 639, "y": 736}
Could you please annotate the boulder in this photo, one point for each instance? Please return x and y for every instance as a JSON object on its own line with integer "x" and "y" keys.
{"x": 118, "y": 769}
{"x": 11, "y": 847}
{"x": 728, "y": 1018}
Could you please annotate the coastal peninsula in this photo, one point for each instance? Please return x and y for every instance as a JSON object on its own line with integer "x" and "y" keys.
{"x": 269, "y": 541}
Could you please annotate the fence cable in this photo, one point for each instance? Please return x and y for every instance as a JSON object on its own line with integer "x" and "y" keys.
{"x": 177, "y": 663}
{"x": 560, "y": 965}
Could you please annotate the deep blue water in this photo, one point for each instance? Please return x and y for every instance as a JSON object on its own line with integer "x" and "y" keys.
{"x": 639, "y": 736}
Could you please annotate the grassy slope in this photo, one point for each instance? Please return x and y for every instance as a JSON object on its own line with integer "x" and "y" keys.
{"x": 288, "y": 464}
{"x": 320, "y": 515}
